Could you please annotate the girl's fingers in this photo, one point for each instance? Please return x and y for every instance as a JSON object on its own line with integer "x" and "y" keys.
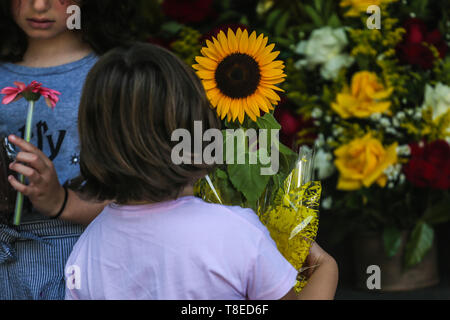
{"x": 27, "y": 147}
{"x": 32, "y": 160}
{"x": 32, "y": 175}
{"x": 18, "y": 186}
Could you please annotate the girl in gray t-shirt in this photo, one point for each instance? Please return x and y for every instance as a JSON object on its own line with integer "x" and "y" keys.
{"x": 38, "y": 45}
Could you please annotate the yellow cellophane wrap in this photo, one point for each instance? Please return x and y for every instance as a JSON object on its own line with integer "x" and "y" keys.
{"x": 291, "y": 215}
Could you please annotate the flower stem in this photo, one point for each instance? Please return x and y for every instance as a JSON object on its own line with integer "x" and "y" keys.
{"x": 19, "y": 199}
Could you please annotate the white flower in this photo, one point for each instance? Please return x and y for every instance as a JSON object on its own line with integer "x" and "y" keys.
{"x": 393, "y": 172}
{"x": 438, "y": 99}
{"x": 323, "y": 163}
{"x": 324, "y": 48}
{"x": 375, "y": 116}
{"x": 327, "y": 203}
{"x": 316, "y": 113}
{"x": 320, "y": 141}
{"x": 385, "y": 122}
{"x": 404, "y": 150}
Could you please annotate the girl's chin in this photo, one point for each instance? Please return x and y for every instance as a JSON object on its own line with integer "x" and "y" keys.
{"x": 44, "y": 34}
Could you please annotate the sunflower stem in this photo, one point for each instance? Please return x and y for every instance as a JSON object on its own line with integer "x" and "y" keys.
{"x": 19, "y": 200}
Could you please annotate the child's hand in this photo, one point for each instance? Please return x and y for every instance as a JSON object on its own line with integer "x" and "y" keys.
{"x": 322, "y": 272}
{"x": 317, "y": 256}
{"x": 43, "y": 190}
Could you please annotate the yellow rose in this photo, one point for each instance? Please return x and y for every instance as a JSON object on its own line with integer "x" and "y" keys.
{"x": 363, "y": 162}
{"x": 363, "y": 98}
{"x": 359, "y": 6}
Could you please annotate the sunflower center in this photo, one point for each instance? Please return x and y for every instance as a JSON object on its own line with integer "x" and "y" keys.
{"x": 238, "y": 76}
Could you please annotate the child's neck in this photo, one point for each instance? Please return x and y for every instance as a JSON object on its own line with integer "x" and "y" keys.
{"x": 188, "y": 191}
{"x": 66, "y": 48}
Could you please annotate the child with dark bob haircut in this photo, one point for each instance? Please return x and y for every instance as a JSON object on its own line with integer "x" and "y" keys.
{"x": 156, "y": 240}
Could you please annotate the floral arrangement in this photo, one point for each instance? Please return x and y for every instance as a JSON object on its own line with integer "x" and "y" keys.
{"x": 379, "y": 100}
{"x": 373, "y": 102}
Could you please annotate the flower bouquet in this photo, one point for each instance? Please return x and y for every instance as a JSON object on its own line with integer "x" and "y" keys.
{"x": 240, "y": 74}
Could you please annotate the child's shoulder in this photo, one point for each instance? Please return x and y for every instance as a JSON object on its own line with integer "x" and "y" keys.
{"x": 229, "y": 216}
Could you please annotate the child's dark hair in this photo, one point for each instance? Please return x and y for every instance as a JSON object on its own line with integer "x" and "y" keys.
{"x": 105, "y": 25}
{"x": 133, "y": 99}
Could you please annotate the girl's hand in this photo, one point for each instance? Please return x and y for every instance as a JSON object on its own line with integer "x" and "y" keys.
{"x": 43, "y": 190}
{"x": 317, "y": 256}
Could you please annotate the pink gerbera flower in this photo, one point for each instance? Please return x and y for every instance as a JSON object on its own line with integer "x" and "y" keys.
{"x": 32, "y": 92}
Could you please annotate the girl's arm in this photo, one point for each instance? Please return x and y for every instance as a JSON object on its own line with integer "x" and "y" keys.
{"x": 44, "y": 190}
{"x": 322, "y": 279}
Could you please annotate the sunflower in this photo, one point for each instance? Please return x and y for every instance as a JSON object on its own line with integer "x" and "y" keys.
{"x": 239, "y": 73}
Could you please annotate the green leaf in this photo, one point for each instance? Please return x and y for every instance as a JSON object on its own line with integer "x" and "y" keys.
{"x": 221, "y": 174}
{"x": 318, "y": 5}
{"x": 392, "y": 239}
{"x": 439, "y": 213}
{"x": 315, "y": 17}
{"x": 273, "y": 16}
{"x": 420, "y": 242}
{"x": 281, "y": 24}
{"x": 334, "y": 21}
{"x": 171, "y": 27}
{"x": 247, "y": 179}
{"x": 268, "y": 121}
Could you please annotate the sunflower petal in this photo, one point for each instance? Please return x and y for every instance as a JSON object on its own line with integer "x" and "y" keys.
{"x": 277, "y": 64}
{"x": 226, "y": 106}
{"x": 238, "y": 35}
{"x": 264, "y": 60}
{"x": 206, "y": 74}
{"x": 218, "y": 48}
{"x": 232, "y": 42}
{"x": 211, "y": 53}
{"x": 269, "y": 93}
{"x": 261, "y": 102}
{"x": 272, "y": 81}
{"x": 209, "y": 84}
{"x": 234, "y": 109}
{"x": 214, "y": 95}
{"x": 264, "y": 48}
{"x": 270, "y": 86}
{"x": 241, "y": 115}
{"x": 271, "y": 73}
{"x": 223, "y": 42}
{"x": 251, "y": 42}
{"x": 207, "y": 63}
{"x": 257, "y": 44}
{"x": 243, "y": 43}
{"x": 253, "y": 106}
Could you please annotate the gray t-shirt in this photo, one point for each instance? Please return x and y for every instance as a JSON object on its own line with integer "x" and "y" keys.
{"x": 53, "y": 131}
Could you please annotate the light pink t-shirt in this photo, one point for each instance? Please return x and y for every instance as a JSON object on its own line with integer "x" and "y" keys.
{"x": 184, "y": 249}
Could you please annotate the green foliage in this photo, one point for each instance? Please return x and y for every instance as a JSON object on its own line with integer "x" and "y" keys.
{"x": 420, "y": 242}
{"x": 392, "y": 239}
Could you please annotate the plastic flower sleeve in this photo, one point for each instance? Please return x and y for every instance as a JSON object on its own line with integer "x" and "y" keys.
{"x": 290, "y": 212}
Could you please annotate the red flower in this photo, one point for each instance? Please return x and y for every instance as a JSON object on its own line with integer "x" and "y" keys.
{"x": 291, "y": 124}
{"x": 13, "y": 94}
{"x": 429, "y": 165}
{"x": 32, "y": 92}
{"x": 50, "y": 96}
{"x": 188, "y": 11}
{"x": 413, "y": 50}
